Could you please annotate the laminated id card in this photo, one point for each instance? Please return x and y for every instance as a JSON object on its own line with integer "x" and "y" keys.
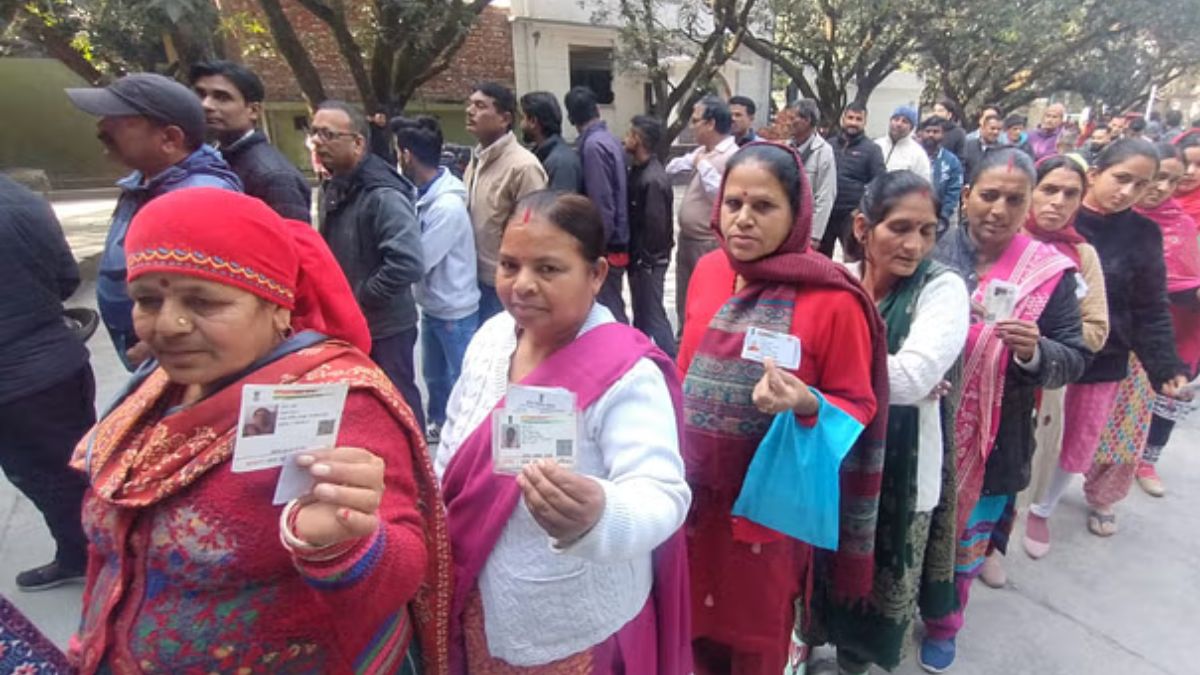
{"x": 761, "y": 344}
{"x": 999, "y": 301}
{"x": 536, "y": 423}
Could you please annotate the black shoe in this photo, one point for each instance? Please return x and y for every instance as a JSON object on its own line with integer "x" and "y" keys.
{"x": 47, "y": 576}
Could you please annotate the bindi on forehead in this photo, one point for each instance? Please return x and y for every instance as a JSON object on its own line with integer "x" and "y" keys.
{"x": 163, "y": 282}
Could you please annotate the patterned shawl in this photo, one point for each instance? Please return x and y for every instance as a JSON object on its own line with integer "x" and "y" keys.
{"x": 720, "y": 460}
{"x": 144, "y": 451}
{"x": 1182, "y": 254}
{"x": 1035, "y": 269}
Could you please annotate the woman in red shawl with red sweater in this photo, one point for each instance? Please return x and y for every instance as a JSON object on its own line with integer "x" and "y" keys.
{"x": 191, "y": 568}
{"x": 746, "y": 574}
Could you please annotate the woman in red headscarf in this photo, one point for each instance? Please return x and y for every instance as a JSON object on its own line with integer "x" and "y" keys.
{"x": 763, "y": 290}
{"x": 186, "y": 569}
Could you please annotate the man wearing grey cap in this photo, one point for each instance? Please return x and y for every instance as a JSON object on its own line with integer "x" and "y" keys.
{"x": 155, "y": 126}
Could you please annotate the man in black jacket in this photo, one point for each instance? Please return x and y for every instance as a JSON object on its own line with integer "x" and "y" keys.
{"x": 651, "y": 231}
{"x": 859, "y": 161}
{"x": 46, "y": 384}
{"x": 368, "y": 218}
{"x": 541, "y": 129}
{"x": 232, "y": 96}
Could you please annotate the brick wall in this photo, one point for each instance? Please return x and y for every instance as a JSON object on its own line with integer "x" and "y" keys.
{"x": 485, "y": 55}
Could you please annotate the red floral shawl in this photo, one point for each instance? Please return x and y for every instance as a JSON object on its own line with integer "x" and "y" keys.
{"x": 142, "y": 452}
{"x": 1182, "y": 255}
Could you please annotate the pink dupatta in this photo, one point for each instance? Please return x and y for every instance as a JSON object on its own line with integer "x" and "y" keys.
{"x": 1035, "y": 268}
{"x": 1182, "y": 256}
{"x": 479, "y": 503}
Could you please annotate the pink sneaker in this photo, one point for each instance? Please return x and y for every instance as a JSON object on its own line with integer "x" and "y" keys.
{"x": 1037, "y": 536}
{"x": 1147, "y": 478}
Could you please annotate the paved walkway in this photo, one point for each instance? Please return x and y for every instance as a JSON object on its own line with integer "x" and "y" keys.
{"x": 1122, "y": 606}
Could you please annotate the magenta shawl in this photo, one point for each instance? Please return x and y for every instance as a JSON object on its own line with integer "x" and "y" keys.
{"x": 1182, "y": 254}
{"x": 1036, "y": 269}
{"x": 479, "y": 502}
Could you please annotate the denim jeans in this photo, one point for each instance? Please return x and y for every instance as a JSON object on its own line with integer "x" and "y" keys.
{"x": 489, "y": 303}
{"x": 646, "y": 281}
{"x": 443, "y": 344}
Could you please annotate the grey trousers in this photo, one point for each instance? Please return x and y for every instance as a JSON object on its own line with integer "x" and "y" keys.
{"x": 687, "y": 253}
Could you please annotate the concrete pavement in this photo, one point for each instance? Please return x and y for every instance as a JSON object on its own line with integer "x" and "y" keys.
{"x": 1122, "y": 606}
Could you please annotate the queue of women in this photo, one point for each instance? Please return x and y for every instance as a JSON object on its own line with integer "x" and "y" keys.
{"x": 722, "y": 514}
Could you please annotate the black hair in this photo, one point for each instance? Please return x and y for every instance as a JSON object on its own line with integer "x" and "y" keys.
{"x": 780, "y": 161}
{"x": 581, "y": 105}
{"x": 358, "y": 121}
{"x": 421, "y": 136}
{"x": 1169, "y": 151}
{"x": 952, "y": 107}
{"x": 718, "y": 111}
{"x": 992, "y": 106}
{"x": 1006, "y": 157}
{"x": 1173, "y": 118}
{"x": 1137, "y": 125}
{"x": 570, "y": 212}
{"x": 856, "y": 107}
{"x": 649, "y": 129}
{"x": 543, "y": 107}
{"x": 809, "y": 110}
{"x": 989, "y": 118}
{"x": 502, "y": 97}
{"x": 880, "y": 197}
{"x": 1055, "y": 162}
{"x": 247, "y": 83}
{"x": 1101, "y": 127}
{"x": 1014, "y": 120}
{"x": 746, "y": 102}
{"x": 1119, "y": 151}
{"x": 934, "y": 121}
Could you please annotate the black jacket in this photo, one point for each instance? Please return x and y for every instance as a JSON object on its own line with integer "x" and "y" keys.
{"x": 268, "y": 175}
{"x": 955, "y": 140}
{"x": 1135, "y": 279}
{"x": 38, "y": 272}
{"x": 564, "y": 169}
{"x": 371, "y": 225}
{"x": 973, "y": 154}
{"x": 651, "y": 218}
{"x": 1064, "y": 356}
{"x": 859, "y": 161}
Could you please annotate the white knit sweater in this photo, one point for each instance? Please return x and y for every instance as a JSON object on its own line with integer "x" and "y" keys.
{"x": 542, "y": 603}
{"x": 936, "y": 337}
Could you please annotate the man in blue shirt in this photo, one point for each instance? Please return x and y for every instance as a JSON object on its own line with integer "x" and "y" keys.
{"x": 155, "y": 126}
{"x": 945, "y": 169}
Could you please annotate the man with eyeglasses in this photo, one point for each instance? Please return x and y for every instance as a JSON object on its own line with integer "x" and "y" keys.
{"x": 711, "y": 123}
{"x": 154, "y": 126}
{"x": 368, "y": 219}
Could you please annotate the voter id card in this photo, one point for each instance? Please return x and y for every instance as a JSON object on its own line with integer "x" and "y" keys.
{"x": 999, "y": 301}
{"x": 761, "y": 344}
{"x": 535, "y": 423}
{"x": 278, "y": 422}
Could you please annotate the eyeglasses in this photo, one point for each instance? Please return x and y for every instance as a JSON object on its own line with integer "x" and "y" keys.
{"x": 325, "y": 135}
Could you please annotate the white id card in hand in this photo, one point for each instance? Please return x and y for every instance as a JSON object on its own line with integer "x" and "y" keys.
{"x": 761, "y": 344}
{"x": 277, "y": 422}
{"x": 999, "y": 301}
{"x": 519, "y": 438}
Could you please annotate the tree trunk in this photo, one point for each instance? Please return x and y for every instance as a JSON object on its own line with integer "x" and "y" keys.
{"x": 294, "y": 53}
{"x": 57, "y": 46}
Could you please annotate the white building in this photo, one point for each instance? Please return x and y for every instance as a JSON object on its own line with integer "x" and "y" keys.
{"x": 556, "y": 46}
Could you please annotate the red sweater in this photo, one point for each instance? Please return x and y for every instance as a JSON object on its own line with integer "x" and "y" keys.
{"x": 200, "y": 583}
{"x": 835, "y": 342}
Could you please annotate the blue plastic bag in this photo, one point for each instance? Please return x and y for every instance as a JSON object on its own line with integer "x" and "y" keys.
{"x": 793, "y": 484}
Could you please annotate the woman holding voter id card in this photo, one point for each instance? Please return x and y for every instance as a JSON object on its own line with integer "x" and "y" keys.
{"x": 192, "y": 567}
{"x": 927, "y": 312}
{"x": 561, "y": 470}
{"x": 786, "y": 368}
{"x": 1026, "y": 335}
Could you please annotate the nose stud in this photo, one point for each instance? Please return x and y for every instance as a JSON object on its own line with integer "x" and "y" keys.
{"x": 183, "y": 323}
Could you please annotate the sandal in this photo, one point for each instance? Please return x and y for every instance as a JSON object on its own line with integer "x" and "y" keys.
{"x": 1102, "y": 524}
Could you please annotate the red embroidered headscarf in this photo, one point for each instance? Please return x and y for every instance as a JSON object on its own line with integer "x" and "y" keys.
{"x": 237, "y": 240}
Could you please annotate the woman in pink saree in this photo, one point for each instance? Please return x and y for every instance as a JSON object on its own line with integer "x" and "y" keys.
{"x": 1039, "y": 344}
